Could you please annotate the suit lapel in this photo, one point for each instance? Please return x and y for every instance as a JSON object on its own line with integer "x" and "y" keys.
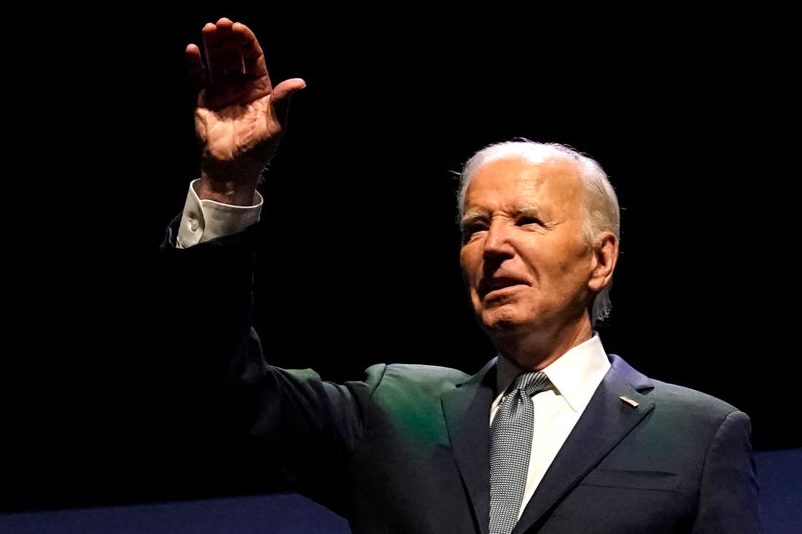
{"x": 603, "y": 424}
{"x": 467, "y": 416}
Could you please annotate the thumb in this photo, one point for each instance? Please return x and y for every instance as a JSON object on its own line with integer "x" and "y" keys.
{"x": 281, "y": 96}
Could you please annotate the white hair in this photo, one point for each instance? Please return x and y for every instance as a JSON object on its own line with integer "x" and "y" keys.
{"x": 602, "y": 212}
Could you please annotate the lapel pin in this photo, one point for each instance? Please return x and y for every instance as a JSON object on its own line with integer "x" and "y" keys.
{"x": 629, "y": 401}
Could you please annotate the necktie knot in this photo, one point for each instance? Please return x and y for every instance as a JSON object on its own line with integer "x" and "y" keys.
{"x": 532, "y": 383}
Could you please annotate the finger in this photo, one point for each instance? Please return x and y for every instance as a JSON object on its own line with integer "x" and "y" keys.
{"x": 215, "y": 66}
{"x": 197, "y": 73}
{"x": 252, "y": 56}
{"x": 229, "y": 46}
{"x": 281, "y": 96}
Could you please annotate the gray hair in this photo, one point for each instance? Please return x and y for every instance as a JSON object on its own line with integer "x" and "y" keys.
{"x": 602, "y": 212}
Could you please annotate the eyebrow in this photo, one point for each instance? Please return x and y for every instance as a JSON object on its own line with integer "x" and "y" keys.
{"x": 475, "y": 214}
{"x": 472, "y": 216}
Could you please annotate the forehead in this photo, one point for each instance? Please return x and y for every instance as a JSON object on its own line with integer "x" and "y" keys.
{"x": 516, "y": 180}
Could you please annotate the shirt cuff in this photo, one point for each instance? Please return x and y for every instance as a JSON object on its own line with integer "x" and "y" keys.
{"x": 204, "y": 220}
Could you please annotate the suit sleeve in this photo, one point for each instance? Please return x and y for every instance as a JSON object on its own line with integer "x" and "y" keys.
{"x": 289, "y": 426}
{"x": 312, "y": 426}
{"x": 728, "y": 499}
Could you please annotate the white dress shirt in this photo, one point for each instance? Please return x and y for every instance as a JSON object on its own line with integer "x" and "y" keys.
{"x": 575, "y": 375}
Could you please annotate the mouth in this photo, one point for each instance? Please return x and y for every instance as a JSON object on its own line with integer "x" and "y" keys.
{"x": 498, "y": 284}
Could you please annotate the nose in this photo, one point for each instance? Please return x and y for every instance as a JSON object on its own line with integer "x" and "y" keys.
{"x": 497, "y": 243}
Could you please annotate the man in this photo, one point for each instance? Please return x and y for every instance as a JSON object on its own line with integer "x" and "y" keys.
{"x": 581, "y": 442}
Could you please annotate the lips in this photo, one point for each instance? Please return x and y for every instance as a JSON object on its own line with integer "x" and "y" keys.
{"x": 496, "y": 283}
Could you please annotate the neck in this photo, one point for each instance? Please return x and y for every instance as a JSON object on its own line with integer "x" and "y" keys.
{"x": 536, "y": 349}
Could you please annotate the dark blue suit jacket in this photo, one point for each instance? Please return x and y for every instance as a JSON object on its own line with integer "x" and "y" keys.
{"x": 406, "y": 450}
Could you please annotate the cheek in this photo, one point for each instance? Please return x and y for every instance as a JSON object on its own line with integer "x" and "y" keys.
{"x": 567, "y": 258}
{"x": 468, "y": 264}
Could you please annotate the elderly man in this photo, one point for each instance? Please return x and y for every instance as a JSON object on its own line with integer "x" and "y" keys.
{"x": 552, "y": 435}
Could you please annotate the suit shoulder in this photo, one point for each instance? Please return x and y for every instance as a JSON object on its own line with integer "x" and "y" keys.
{"x": 404, "y": 389}
{"x": 691, "y": 401}
{"x": 429, "y": 377}
{"x": 681, "y": 398}
{"x": 431, "y": 373}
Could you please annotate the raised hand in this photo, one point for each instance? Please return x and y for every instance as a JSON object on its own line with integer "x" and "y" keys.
{"x": 240, "y": 116}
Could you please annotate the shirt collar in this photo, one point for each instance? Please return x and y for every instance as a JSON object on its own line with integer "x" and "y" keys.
{"x": 575, "y": 375}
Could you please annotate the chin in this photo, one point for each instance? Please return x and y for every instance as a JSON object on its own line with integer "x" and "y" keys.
{"x": 500, "y": 321}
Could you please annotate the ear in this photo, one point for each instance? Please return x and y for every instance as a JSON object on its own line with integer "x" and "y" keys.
{"x": 605, "y": 256}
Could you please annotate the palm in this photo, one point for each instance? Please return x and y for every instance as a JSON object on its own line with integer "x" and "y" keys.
{"x": 233, "y": 89}
{"x": 240, "y": 115}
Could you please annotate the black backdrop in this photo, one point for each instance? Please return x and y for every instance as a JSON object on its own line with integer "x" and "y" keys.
{"x": 687, "y": 111}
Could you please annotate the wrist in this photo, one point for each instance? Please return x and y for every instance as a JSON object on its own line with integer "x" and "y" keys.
{"x": 234, "y": 192}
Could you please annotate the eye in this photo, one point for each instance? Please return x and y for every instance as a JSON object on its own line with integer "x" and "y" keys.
{"x": 471, "y": 228}
{"x": 527, "y": 220}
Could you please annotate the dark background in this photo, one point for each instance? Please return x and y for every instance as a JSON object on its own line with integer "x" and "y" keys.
{"x": 690, "y": 113}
